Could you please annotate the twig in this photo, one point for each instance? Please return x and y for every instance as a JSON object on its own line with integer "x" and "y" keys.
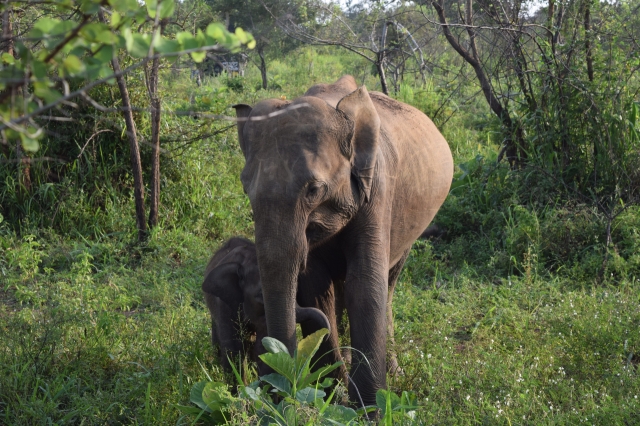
{"x": 89, "y": 140}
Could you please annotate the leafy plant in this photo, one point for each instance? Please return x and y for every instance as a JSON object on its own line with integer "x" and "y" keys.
{"x": 300, "y": 392}
{"x": 394, "y": 409}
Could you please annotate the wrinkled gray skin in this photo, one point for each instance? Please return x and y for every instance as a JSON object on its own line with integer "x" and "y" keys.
{"x": 233, "y": 293}
{"x": 326, "y": 181}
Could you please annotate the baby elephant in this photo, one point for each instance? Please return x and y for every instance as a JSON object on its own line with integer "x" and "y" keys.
{"x": 233, "y": 293}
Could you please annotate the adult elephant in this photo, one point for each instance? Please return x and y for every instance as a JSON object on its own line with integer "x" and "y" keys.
{"x": 341, "y": 183}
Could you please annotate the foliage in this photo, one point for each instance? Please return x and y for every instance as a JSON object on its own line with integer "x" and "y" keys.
{"x": 301, "y": 392}
{"x": 68, "y": 44}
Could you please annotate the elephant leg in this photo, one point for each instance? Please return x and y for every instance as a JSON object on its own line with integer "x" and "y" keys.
{"x": 392, "y": 360}
{"x": 365, "y": 295}
{"x": 226, "y": 334}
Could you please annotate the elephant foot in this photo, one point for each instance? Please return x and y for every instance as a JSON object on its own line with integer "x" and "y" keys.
{"x": 393, "y": 368}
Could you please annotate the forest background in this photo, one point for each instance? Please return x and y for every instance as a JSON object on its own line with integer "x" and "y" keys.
{"x": 119, "y": 176}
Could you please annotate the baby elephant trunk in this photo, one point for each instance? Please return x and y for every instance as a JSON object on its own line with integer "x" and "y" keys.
{"x": 313, "y": 316}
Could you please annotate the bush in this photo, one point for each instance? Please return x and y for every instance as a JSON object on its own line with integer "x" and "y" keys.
{"x": 301, "y": 393}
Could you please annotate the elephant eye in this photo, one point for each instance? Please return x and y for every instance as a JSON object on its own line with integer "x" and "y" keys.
{"x": 315, "y": 190}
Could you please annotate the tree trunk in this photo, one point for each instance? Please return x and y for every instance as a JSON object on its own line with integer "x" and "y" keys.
{"x": 134, "y": 150}
{"x": 263, "y": 68}
{"x": 381, "y": 59}
{"x": 381, "y": 73}
{"x": 514, "y": 140}
{"x": 155, "y": 138}
{"x": 587, "y": 39}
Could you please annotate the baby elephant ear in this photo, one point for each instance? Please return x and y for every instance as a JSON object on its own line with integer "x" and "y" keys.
{"x": 224, "y": 282}
{"x": 359, "y": 109}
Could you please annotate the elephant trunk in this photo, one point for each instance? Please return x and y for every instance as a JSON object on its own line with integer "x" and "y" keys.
{"x": 315, "y": 317}
{"x": 281, "y": 255}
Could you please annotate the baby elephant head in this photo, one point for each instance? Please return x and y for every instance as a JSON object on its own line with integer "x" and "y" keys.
{"x": 233, "y": 293}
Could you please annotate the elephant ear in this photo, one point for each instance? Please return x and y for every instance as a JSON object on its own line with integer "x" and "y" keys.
{"x": 359, "y": 109}
{"x": 242, "y": 112}
{"x": 224, "y": 282}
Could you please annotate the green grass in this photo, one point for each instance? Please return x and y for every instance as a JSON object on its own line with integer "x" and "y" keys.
{"x": 513, "y": 317}
{"x": 121, "y": 341}
{"x": 518, "y": 351}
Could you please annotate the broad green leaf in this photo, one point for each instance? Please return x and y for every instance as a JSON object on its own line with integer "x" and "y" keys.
{"x": 308, "y": 346}
{"x": 32, "y": 106}
{"x": 217, "y": 396}
{"x": 242, "y": 36}
{"x": 196, "y": 396}
{"x": 274, "y": 345}
{"x": 43, "y": 91}
{"x": 321, "y": 372}
{"x": 216, "y": 31}
{"x": 90, "y": 31}
{"x": 187, "y": 40}
{"x": 104, "y": 54}
{"x": 281, "y": 363}
{"x": 8, "y": 59}
{"x": 165, "y": 45}
{"x": 63, "y": 27}
{"x": 278, "y": 381}
{"x": 137, "y": 45}
{"x": 328, "y": 381}
{"x": 387, "y": 401}
{"x": 251, "y": 44}
{"x": 29, "y": 144}
{"x": 198, "y": 56}
{"x": 121, "y": 43}
{"x": 77, "y": 50}
{"x": 250, "y": 393}
{"x": 46, "y": 25}
{"x": 338, "y": 413}
{"x": 89, "y": 7}
{"x": 115, "y": 19}
{"x": 152, "y": 6}
{"x": 72, "y": 65}
{"x": 124, "y": 6}
{"x": 308, "y": 395}
{"x": 99, "y": 33}
{"x": 167, "y": 7}
{"x": 201, "y": 38}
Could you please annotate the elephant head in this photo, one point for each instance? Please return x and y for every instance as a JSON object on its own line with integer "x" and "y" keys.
{"x": 233, "y": 293}
{"x": 309, "y": 167}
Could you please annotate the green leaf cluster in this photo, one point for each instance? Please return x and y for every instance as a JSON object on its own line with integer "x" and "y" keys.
{"x": 81, "y": 48}
{"x": 301, "y": 393}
